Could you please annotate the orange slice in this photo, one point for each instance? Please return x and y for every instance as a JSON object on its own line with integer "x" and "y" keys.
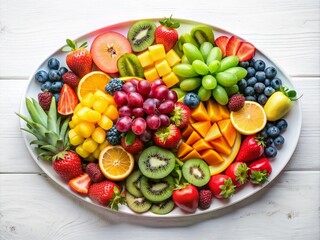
{"x": 115, "y": 163}
{"x": 250, "y": 119}
{"x": 92, "y": 82}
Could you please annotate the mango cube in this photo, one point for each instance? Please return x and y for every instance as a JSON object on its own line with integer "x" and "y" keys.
{"x": 105, "y": 122}
{"x": 162, "y": 67}
{"x": 145, "y": 59}
{"x": 99, "y": 135}
{"x": 85, "y": 129}
{"x": 172, "y": 58}
{"x": 74, "y": 138}
{"x": 100, "y": 104}
{"x": 151, "y": 74}
{"x": 170, "y": 79}
{"x": 157, "y": 52}
{"x": 89, "y": 145}
{"x": 88, "y": 100}
{"x": 83, "y": 153}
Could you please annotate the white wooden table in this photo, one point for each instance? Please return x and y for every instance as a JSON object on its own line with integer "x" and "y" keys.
{"x": 32, "y": 206}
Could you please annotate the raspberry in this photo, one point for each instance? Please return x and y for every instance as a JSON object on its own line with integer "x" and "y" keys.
{"x": 236, "y": 102}
{"x": 205, "y": 197}
{"x": 94, "y": 172}
{"x": 71, "y": 79}
{"x": 44, "y": 100}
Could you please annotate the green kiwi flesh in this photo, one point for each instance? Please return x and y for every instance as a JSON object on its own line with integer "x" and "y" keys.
{"x": 137, "y": 204}
{"x": 133, "y": 183}
{"x": 163, "y": 208}
{"x": 202, "y": 33}
{"x": 157, "y": 190}
{"x": 129, "y": 65}
{"x": 141, "y": 35}
{"x": 156, "y": 162}
{"x": 196, "y": 171}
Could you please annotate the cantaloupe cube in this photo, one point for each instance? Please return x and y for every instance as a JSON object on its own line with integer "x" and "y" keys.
{"x": 170, "y": 79}
{"x": 192, "y": 120}
{"x": 213, "y": 133}
{"x": 211, "y": 157}
{"x": 213, "y": 111}
{"x": 224, "y": 111}
{"x": 193, "y": 154}
{"x": 202, "y": 127}
{"x": 172, "y": 58}
{"x": 221, "y": 145}
{"x": 194, "y": 137}
{"x": 162, "y": 67}
{"x": 157, "y": 52}
{"x": 228, "y": 131}
{"x": 145, "y": 59}
{"x": 201, "y": 145}
{"x": 151, "y": 74}
{"x": 187, "y": 131}
{"x": 183, "y": 149}
{"x": 200, "y": 113}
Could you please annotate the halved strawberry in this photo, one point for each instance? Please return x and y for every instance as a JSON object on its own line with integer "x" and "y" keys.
{"x": 68, "y": 100}
{"x": 167, "y": 137}
{"x": 180, "y": 115}
{"x": 222, "y": 42}
{"x": 233, "y": 46}
{"x": 246, "y": 51}
{"x": 80, "y": 184}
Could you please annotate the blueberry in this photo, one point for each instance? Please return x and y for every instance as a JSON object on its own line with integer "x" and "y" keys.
{"x": 244, "y": 64}
{"x": 252, "y": 61}
{"x": 242, "y": 84}
{"x": 54, "y": 75}
{"x": 259, "y": 87}
{"x": 41, "y": 76}
{"x": 271, "y": 72}
{"x": 251, "y": 98}
{"x": 259, "y": 65}
{"x": 267, "y": 82}
{"x": 269, "y": 142}
{"x": 191, "y": 100}
{"x": 268, "y": 91}
{"x": 270, "y": 151}
{"x": 260, "y": 76}
{"x": 262, "y": 99}
{"x": 63, "y": 70}
{"x": 276, "y": 83}
{"x": 56, "y": 96}
{"x": 264, "y": 133}
{"x": 249, "y": 91}
{"x": 273, "y": 131}
{"x": 251, "y": 81}
{"x": 282, "y": 125}
{"x": 53, "y": 63}
{"x": 56, "y": 86}
{"x": 250, "y": 72}
{"x": 279, "y": 141}
{"x": 269, "y": 125}
{"x": 46, "y": 86}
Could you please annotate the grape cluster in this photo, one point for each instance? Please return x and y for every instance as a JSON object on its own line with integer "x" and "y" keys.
{"x": 261, "y": 81}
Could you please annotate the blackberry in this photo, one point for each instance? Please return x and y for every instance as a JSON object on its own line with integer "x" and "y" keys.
{"x": 114, "y": 85}
{"x": 114, "y": 136}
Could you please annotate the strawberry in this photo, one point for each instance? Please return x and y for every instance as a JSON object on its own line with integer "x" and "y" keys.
{"x": 44, "y": 99}
{"x": 71, "y": 79}
{"x": 132, "y": 146}
{"x": 251, "y": 148}
{"x": 167, "y": 137}
{"x": 80, "y": 184}
{"x": 245, "y": 52}
{"x": 68, "y": 100}
{"x": 106, "y": 193}
{"x": 180, "y": 115}
{"x": 79, "y": 60}
{"x": 205, "y": 198}
{"x": 94, "y": 172}
{"x": 222, "y": 42}
{"x": 166, "y": 33}
{"x": 67, "y": 165}
{"x": 233, "y": 46}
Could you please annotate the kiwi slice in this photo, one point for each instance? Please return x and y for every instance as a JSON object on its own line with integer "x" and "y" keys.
{"x": 141, "y": 35}
{"x": 163, "y": 208}
{"x": 196, "y": 171}
{"x": 137, "y": 204}
{"x": 156, "y": 163}
{"x": 186, "y": 38}
{"x": 129, "y": 65}
{"x": 157, "y": 190}
{"x": 202, "y": 33}
{"x": 133, "y": 183}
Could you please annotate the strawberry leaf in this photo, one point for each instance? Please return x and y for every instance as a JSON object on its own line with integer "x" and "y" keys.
{"x": 129, "y": 139}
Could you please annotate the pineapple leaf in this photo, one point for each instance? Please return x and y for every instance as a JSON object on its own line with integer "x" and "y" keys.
{"x": 38, "y": 128}
{"x": 60, "y": 145}
{"x": 52, "y": 117}
{"x": 52, "y": 137}
{"x": 50, "y": 148}
{"x": 64, "y": 130}
{"x": 35, "y": 116}
{"x": 38, "y": 142}
{"x": 41, "y": 112}
{"x": 44, "y": 154}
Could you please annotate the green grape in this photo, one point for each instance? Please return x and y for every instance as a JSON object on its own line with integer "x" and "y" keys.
{"x": 190, "y": 84}
{"x": 180, "y": 93}
{"x": 226, "y": 79}
{"x": 184, "y": 59}
{"x": 228, "y": 62}
{"x": 232, "y": 90}
{"x": 214, "y": 66}
{"x": 214, "y": 54}
{"x": 186, "y": 38}
{"x": 209, "y": 82}
{"x": 184, "y": 70}
{"x": 200, "y": 67}
{"x": 220, "y": 95}
{"x": 240, "y": 72}
{"x": 204, "y": 94}
{"x": 205, "y": 49}
{"x": 192, "y": 52}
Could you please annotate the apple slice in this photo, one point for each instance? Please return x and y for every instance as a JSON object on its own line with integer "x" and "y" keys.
{"x": 107, "y": 48}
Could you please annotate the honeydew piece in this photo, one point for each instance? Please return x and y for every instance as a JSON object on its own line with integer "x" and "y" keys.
{"x": 213, "y": 111}
{"x": 193, "y": 154}
{"x": 162, "y": 67}
{"x": 221, "y": 145}
{"x": 151, "y": 74}
{"x": 170, "y": 79}
{"x": 201, "y": 145}
{"x": 173, "y": 58}
{"x": 183, "y": 149}
{"x": 202, "y": 127}
{"x": 228, "y": 131}
{"x": 187, "y": 131}
{"x": 200, "y": 113}
{"x": 145, "y": 59}
{"x": 213, "y": 133}
{"x": 157, "y": 52}
{"x": 211, "y": 157}
{"x": 194, "y": 137}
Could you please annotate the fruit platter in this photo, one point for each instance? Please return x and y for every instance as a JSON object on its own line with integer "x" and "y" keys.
{"x": 160, "y": 118}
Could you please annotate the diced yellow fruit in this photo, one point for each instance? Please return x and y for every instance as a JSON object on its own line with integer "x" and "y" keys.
{"x": 172, "y": 58}
{"x": 83, "y": 153}
{"x": 170, "y": 79}
{"x": 75, "y": 119}
{"x": 108, "y": 97}
{"x": 105, "y": 122}
{"x": 211, "y": 157}
{"x": 72, "y": 124}
{"x": 99, "y": 135}
{"x": 104, "y": 145}
{"x": 88, "y": 100}
{"x": 79, "y": 106}
{"x": 157, "y": 52}
{"x": 145, "y": 59}
{"x": 213, "y": 133}
{"x": 200, "y": 113}
{"x": 224, "y": 111}
{"x": 90, "y": 158}
{"x": 111, "y": 112}
{"x": 74, "y": 138}
{"x": 194, "y": 137}
{"x": 213, "y": 111}
{"x": 85, "y": 129}
{"x": 201, "y": 145}
{"x": 100, "y": 104}
{"x": 186, "y": 131}
{"x": 96, "y": 153}
{"x": 89, "y": 145}
{"x": 202, "y": 127}
{"x": 151, "y": 74}
{"x": 183, "y": 149}
{"x": 162, "y": 67}
{"x": 193, "y": 154}
{"x": 89, "y": 115}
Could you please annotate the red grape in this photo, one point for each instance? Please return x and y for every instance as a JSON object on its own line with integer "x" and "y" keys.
{"x": 153, "y": 121}
{"x": 172, "y": 95}
{"x": 125, "y": 111}
{"x": 149, "y": 106}
{"x": 124, "y": 124}
{"x": 135, "y": 99}
{"x": 129, "y": 87}
{"x": 161, "y": 92}
{"x": 156, "y": 83}
{"x": 144, "y": 87}
{"x": 166, "y": 107}
{"x": 165, "y": 120}
{"x": 138, "y": 112}
{"x": 146, "y": 136}
{"x": 134, "y": 81}
{"x": 139, "y": 125}
{"x": 120, "y": 98}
